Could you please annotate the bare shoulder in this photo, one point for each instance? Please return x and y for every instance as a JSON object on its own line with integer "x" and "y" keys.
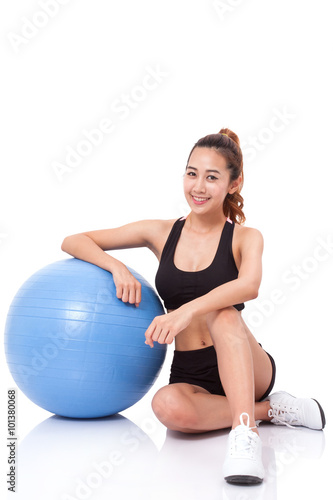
{"x": 156, "y": 233}
{"x": 153, "y": 226}
{"x": 248, "y": 233}
{"x": 246, "y": 238}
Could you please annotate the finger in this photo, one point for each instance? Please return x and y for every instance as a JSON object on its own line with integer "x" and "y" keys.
{"x": 149, "y": 342}
{"x": 157, "y": 334}
{"x": 150, "y": 330}
{"x": 138, "y": 294}
{"x": 148, "y": 335}
{"x": 124, "y": 297}
{"x": 162, "y": 338}
{"x": 132, "y": 295}
{"x": 169, "y": 339}
{"x": 119, "y": 292}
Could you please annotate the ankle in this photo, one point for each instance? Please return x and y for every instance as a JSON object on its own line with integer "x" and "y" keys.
{"x": 266, "y": 409}
{"x": 247, "y": 421}
{"x": 262, "y": 409}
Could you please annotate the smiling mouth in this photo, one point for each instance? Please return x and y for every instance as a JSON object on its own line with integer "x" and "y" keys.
{"x": 198, "y": 200}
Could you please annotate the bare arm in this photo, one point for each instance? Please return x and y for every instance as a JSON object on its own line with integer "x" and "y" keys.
{"x": 163, "y": 329}
{"x": 83, "y": 247}
{"x": 242, "y": 289}
{"x": 92, "y": 246}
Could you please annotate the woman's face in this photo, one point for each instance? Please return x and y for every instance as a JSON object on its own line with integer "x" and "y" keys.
{"x": 207, "y": 181}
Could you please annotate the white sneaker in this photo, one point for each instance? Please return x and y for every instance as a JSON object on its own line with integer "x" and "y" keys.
{"x": 291, "y": 411}
{"x": 243, "y": 463}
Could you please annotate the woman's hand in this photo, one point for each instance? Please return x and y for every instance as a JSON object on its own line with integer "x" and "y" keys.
{"x": 128, "y": 288}
{"x": 163, "y": 329}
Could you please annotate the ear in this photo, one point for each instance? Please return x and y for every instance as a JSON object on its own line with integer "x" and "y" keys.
{"x": 234, "y": 186}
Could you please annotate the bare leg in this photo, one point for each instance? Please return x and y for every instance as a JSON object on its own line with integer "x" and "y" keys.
{"x": 191, "y": 409}
{"x": 262, "y": 365}
{"x": 244, "y": 368}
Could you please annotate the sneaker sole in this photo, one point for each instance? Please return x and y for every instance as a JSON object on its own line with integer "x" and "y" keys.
{"x": 322, "y": 414}
{"x": 248, "y": 480}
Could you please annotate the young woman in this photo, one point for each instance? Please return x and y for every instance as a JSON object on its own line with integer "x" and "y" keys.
{"x": 209, "y": 265}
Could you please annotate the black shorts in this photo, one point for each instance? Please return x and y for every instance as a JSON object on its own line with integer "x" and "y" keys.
{"x": 199, "y": 367}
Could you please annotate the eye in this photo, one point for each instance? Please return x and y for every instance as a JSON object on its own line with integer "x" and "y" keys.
{"x": 209, "y": 177}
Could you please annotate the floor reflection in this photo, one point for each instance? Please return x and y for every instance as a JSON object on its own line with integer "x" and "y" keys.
{"x": 69, "y": 459}
{"x": 193, "y": 463}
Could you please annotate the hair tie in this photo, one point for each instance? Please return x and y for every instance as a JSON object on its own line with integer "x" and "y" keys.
{"x": 224, "y": 134}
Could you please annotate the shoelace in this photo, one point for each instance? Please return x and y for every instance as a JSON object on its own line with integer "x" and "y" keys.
{"x": 244, "y": 441}
{"x": 283, "y": 417}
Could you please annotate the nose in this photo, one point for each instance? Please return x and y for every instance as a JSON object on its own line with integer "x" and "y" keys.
{"x": 199, "y": 185}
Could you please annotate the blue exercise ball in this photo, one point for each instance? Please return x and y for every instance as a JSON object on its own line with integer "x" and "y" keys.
{"x": 77, "y": 350}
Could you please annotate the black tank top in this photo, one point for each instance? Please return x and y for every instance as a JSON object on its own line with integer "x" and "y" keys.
{"x": 177, "y": 287}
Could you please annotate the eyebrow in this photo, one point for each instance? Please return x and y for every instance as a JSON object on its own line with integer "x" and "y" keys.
{"x": 209, "y": 170}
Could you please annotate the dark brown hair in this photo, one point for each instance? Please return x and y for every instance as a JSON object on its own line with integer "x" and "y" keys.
{"x": 227, "y": 144}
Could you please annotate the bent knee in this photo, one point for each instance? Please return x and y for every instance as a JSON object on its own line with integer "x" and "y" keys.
{"x": 227, "y": 316}
{"x": 167, "y": 402}
{"x": 158, "y": 402}
{"x": 172, "y": 408}
{"x": 226, "y": 325}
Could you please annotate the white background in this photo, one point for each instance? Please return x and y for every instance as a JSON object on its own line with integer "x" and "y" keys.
{"x": 242, "y": 65}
